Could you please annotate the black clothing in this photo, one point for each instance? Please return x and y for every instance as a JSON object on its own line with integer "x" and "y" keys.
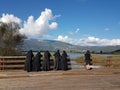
{"x": 57, "y": 60}
{"x": 64, "y": 64}
{"x": 29, "y": 59}
{"x": 37, "y": 62}
{"x": 46, "y": 61}
{"x": 88, "y": 58}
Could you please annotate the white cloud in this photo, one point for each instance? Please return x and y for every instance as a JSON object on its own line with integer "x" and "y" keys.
{"x": 65, "y": 39}
{"x": 74, "y": 32}
{"x": 34, "y": 27}
{"x": 7, "y": 18}
{"x": 62, "y": 38}
{"x": 53, "y": 25}
{"x": 41, "y": 25}
{"x": 89, "y": 41}
{"x": 77, "y": 30}
{"x": 56, "y": 16}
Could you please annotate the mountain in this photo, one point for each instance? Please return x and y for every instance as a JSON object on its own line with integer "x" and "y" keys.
{"x": 116, "y": 51}
{"x": 53, "y": 45}
{"x": 50, "y": 45}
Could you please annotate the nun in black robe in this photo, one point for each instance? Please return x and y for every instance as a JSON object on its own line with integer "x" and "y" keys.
{"x": 46, "y": 61}
{"x": 64, "y": 60}
{"x": 88, "y": 58}
{"x": 37, "y": 62}
{"x": 28, "y": 62}
{"x": 57, "y": 62}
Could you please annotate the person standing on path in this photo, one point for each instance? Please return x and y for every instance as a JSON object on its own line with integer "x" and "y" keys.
{"x": 88, "y": 60}
{"x": 64, "y": 61}
{"x": 37, "y": 62}
{"x": 57, "y": 62}
{"x": 46, "y": 61}
{"x": 29, "y": 60}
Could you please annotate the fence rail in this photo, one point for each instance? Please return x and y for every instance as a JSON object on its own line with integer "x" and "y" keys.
{"x": 106, "y": 61}
{"x": 17, "y": 63}
{"x": 12, "y": 62}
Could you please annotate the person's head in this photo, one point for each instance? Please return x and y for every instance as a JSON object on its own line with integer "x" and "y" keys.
{"x": 64, "y": 51}
{"x": 58, "y": 51}
{"x": 40, "y": 51}
{"x": 31, "y": 51}
{"x": 88, "y": 51}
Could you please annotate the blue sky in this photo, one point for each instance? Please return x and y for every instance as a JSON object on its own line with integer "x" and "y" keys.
{"x": 79, "y": 22}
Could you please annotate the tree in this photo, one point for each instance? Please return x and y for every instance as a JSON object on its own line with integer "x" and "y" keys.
{"x": 10, "y": 38}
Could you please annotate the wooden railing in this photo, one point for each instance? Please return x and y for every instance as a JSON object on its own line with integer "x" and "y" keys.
{"x": 12, "y": 62}
{"x": 17, "y": 63}
{"x": 105, "y": 61}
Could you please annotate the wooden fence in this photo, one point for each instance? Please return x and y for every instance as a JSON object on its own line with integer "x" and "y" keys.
{"x": 17, "y": 63}
{"x": 105, "y": 61}
{"x": 12, "y": 62}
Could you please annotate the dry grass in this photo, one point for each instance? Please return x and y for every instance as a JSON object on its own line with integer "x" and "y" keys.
{"x": 112, "y": 61}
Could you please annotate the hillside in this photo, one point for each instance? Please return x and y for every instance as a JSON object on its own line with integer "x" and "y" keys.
{"x": 53, "y": 45}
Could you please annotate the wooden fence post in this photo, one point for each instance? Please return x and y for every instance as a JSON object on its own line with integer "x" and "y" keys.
{"x": 109, "y": 62}
{"x": 11, "y": 62}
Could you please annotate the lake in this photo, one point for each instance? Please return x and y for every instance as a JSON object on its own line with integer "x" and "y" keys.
{"x": 75, "y": 55}
{"x": 74, "y": 64}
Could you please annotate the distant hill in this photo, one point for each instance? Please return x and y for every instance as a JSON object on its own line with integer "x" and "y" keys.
{"x": 116, "y": 51}
{"x": 53, "y": 45}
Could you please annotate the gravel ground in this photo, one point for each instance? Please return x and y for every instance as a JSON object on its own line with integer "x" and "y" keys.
{"x": 75, "y": 79}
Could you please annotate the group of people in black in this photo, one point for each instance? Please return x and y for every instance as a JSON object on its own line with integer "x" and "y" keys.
{"x": 35, "y": 63}
{"x": 61, "y": 60}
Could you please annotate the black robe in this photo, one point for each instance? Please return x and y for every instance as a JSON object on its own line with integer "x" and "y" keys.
{"x": 37, "y": 62}
{"x": 88, "y": 58}
{"x": 28, "y": 62}
{"x": 64, "y": 61}
{"x": 46, "y": 61}
{"x": 57, "y": 63}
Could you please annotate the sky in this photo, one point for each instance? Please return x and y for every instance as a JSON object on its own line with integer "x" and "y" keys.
{"x": 78, "y": 22}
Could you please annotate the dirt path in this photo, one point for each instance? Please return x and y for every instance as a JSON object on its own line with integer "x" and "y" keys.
{"x": 75, "y": 79}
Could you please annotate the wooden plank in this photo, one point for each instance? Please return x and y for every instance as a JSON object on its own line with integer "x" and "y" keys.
{"x": 12, "y": 66}
{"x": 6, "y": 57}
{"x": 12, "y": 61}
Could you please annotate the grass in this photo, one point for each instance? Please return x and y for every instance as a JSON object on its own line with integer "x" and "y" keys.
{"x": 112, "y": 61}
